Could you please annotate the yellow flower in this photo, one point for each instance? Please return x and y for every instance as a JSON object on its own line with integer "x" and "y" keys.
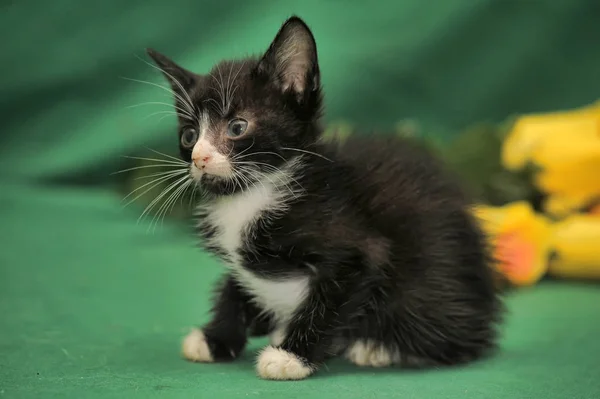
{"x": 562, "y": 205}
{"x": 520, "y": 239}
{"x": 575, "y": 244}
{"x": 525, "y": 142}
{"x": 565, "y": 147}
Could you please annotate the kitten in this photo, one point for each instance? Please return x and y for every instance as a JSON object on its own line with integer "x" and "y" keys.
{"x": 364, "y": 248}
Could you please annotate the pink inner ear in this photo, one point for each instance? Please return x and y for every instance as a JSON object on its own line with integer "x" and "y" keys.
{"x": 294, "y": 60}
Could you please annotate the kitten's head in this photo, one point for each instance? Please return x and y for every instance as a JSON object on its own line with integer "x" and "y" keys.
{"x": 246, "y": 118}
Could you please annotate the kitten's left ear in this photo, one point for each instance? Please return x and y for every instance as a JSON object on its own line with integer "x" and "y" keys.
{"x": 181, "y": 79}
{"x": 291, "y": 60}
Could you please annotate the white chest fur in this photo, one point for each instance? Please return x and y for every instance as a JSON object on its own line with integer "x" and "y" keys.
{"x": 233, "y": 217}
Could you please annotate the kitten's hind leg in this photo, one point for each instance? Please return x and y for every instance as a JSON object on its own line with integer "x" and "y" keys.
{"x": 372, "y": 353}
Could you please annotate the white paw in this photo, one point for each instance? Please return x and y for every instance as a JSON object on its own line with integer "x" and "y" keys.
{"x": 276, "y": 337}
{"x": 278, "y": 364}
{"x": 370, "y": 353}
{"x": 195, "y": 348}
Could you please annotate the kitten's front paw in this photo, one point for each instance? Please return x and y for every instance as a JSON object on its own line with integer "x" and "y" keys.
{"x": 278, "y": 364}
{"x": 195, "y": 347}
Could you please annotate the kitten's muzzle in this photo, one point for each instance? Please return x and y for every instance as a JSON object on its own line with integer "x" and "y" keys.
{"x": 207, "y": 159}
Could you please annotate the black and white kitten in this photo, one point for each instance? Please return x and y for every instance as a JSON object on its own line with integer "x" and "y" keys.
{"x": 363, "y": 248}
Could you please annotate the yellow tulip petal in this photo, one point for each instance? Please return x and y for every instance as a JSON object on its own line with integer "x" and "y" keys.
{"x": 560, "y": 150}
{"x": 520, "y": 238}
{"x": 579, "y": 177}
{"x": 571, "y": 188}
{"x": 576, "y": 243}
{"x": 560, "y": 206}
{"x": 531, "y": 132}
{"x": 519, "y": 259}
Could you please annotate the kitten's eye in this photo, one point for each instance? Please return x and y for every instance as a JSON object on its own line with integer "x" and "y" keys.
{"x": 189, "y": 137}
{"x": 237, "y": 127}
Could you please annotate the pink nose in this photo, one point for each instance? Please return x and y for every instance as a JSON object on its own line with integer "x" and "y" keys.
{"x": 201, "y": 161}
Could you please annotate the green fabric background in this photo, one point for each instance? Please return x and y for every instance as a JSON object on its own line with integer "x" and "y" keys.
{"x": 92, "y": 304}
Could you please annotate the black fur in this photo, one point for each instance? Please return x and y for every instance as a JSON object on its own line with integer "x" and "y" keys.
{"x": 385, "y": 235}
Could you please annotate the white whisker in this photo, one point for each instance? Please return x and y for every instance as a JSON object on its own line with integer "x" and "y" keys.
{"x": 153, "y": 183}
{"x": 219, "y": 107}
{"x": 178, "y": 162}
{"x": 233, "y": 82}
{"x": 190, "y": 103}
{"x": 166, "y": 115}
{"x": 259, "y": 153}
{"x": 241, "y": 153}
{"x": 167, "y": 204}
{"x": 160, "y": 196}
{"x": 166, "y": 155}
{"x": 307, "y": 152}
{"x": 194, "y": 191}
{"x": 253, "y": 174}
{"x": 163, "y": 117}
{"x": 187, "y": 185}
{"x": 159, "y": 174}
{"x": 222, "y": 89}
{"x": 254, "y": 171}
{"x": 239, "y": 177}
{"x": 177, "y": 96}
{"x": 146, "y": 166}
{"x": 184, "y": 112}
{"x": 227, "y": 96}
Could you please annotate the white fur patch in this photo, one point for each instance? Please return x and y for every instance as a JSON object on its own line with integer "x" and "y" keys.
{"x": 203, "y": 124}
{"x": 280, "y": 298}
{"x": 195, "y": 348}
{"x": 278, "y": 364}
{"x": 234, "y": 216}
{"x": 371, "y": 353}
{"x": 277, "y": 337}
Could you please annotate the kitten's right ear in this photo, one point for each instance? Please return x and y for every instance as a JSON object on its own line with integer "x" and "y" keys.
{"x": 181, "y": 79}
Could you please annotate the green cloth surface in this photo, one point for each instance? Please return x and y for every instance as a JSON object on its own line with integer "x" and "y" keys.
{"x": 97, "y": 312}
{"x": 94, "y": 305}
